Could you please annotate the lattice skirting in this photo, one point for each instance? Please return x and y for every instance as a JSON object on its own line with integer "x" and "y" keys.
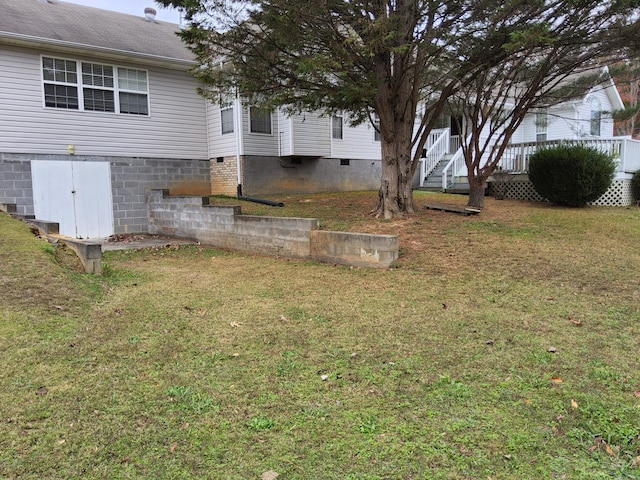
{"x": 618, "y": 195}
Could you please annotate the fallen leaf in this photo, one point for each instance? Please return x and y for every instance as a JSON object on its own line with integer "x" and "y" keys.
{"x": 610, "y": 450}
{"x": 270, "y": 475}
{"x": 403, "y": 305}
{"x": 42, "y": 391}
{"x": 444, "y": 306}
{"x": 283, "y": 318}
{"x": 593, "y": 448}
{"x": 574, "y": 404}
{"x": 489, "y": 342}
{"x": 552, "y": 349}
{"x": 202, "y": 313}
{"x": 235, "y": 355}
{"x": 577, "y": 323}
{"x": 324, "y": 377}
{"x": 235, "y": 324}
{"x": 636, "y": 393}
{"x": 173, "y": 447}
{"x": 636, "y": 462}
{"x": 61, "y": 442}
{"x": 556, "y": 379}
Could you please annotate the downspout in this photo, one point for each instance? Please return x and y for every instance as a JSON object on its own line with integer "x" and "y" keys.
{"x": 240, "y": 154}
{"x": 239, "y": 141}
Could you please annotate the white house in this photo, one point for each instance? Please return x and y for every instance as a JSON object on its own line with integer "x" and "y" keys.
{"x": 586, "y": 120}
{"x": 96, "y": 106}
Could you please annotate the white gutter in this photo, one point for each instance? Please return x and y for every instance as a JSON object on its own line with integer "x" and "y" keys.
{"x": 29, "y": 40}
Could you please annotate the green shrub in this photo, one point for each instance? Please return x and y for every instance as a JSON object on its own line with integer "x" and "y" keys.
{"x": 635, "y": 186}
{"x": 571, "y": 175}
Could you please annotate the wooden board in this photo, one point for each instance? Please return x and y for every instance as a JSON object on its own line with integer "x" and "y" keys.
{"x": 452, "y": 208}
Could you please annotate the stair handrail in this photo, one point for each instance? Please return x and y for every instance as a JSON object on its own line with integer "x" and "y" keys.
{"x": 455, "y": 161}
{"x": 439, "y": 140}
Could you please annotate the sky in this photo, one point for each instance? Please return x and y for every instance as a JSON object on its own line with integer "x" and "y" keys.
{"x": 133, "y": 7}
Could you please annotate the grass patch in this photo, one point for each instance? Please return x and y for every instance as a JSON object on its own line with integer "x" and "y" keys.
{"x": 499, "y": 346}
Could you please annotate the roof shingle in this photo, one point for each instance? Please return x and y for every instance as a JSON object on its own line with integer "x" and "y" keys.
{"x": 55, "y": 21}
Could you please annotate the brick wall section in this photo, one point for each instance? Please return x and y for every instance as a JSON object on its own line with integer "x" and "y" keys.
{"x": 224, "y": 176}
{"x": 15, "y": 183}
{"x": 226, "y": 227}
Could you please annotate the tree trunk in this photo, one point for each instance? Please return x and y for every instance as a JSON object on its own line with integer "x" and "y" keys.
{"x": 476, "y": 193}
{"x": 395, "y": 197}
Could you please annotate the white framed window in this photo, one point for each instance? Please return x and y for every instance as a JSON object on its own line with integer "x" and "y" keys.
{"x": 376, "y": 130}
{"x": 259, "y": 120}
{"x": 226, "y": 120}
{"x": 86, "y": 86}
{"x": 60, "y": 83}
{"x": 133, "y": 91}
{"x": 336, "y": 127}
{"x": 596, "y": 117}
{"x": 542, "y": 125}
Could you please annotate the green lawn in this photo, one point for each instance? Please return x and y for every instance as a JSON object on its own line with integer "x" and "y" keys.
{"x": 500, "y": 346}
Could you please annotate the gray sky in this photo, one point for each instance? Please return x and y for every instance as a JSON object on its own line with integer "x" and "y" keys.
{"x": 133, "y": 7}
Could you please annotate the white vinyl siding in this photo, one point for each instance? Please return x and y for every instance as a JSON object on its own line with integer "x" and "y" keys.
{"x": 219, "y": 145}
{"x": 357, "y": 142}
{"x": 305, "y": 134}
{"x": 259, "y": 144}
{"x": 175, "y": 127}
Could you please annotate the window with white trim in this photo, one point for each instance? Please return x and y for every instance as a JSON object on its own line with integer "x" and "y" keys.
{"x": 259, "y": 120}
{"x": 376, "y": 130}
{"x": 596, "y": 117}
{"x": 542, "y": 125}
{"x": 336, "y": 127}
{"x": 85, "y": 86}
{"x": 226, "y": 119}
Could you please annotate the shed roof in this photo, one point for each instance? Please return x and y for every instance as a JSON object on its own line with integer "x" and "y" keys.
{"x": 63, "y": 25}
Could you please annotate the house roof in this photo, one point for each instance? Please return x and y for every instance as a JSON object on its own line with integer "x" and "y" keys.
{"x": 75, "y": 28}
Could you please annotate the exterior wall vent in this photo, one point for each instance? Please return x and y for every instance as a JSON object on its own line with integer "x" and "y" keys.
{"x": 150, "y": 14}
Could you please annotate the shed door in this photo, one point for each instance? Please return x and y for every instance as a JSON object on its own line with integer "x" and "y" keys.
{"x": 77, "y": 195}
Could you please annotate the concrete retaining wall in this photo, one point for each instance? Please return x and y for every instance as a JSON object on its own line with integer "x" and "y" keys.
{"x": 357, "y": 249}
{"x": 226, "y": 227}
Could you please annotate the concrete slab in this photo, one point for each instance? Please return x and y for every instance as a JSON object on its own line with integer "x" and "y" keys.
{"x": 139, "y": 242}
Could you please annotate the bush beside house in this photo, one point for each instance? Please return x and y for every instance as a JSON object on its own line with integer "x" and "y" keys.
{"x": 571, "y": 175}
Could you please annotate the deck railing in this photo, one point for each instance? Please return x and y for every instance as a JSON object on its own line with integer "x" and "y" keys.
{"x": 455, "y": 168}
{"x": 624, "y": 150}
{"x": 437, "y": 148}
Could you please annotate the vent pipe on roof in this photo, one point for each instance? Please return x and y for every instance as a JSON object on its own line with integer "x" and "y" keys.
{"x": 150, "y": 14}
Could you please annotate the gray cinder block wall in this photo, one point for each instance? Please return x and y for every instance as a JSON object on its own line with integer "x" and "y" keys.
{"x": 130, "y": 179}
{"x": 226, "y": 227}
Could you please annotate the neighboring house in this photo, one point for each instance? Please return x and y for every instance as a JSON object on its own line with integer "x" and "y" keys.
{"x": 586, "y": 120}
{"x": 96, "y": 107}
